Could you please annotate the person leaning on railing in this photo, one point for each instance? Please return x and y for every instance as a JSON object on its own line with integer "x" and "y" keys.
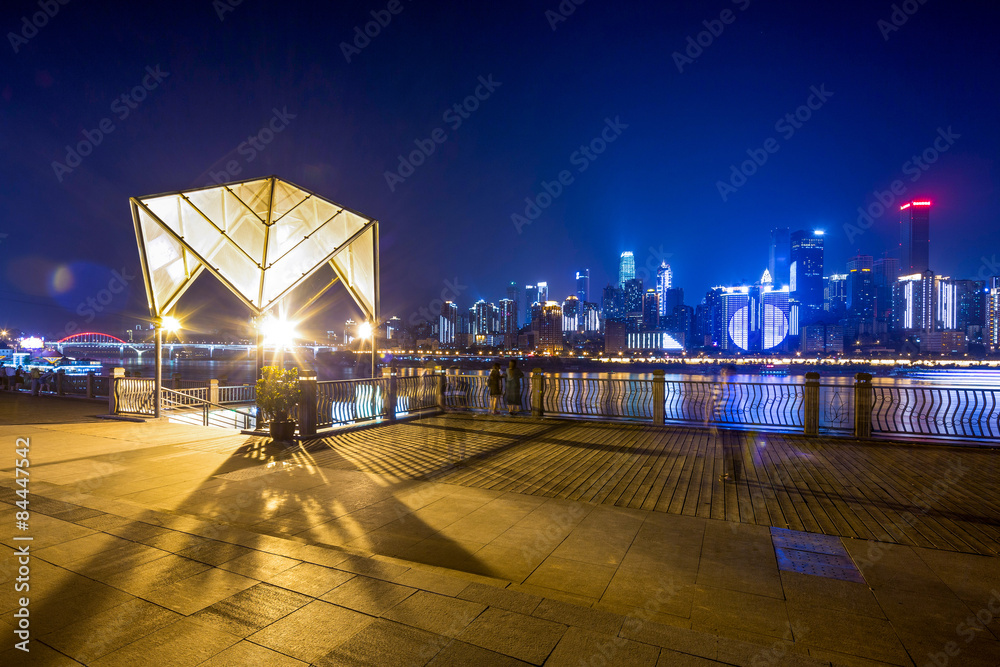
{"x": 493, "y": 382}
{"x": 513, "y": 393}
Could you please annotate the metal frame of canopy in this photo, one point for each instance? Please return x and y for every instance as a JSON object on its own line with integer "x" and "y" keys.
{"x": 343, "y": 269}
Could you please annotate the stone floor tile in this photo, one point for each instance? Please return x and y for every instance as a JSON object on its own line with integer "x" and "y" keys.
{"x": 670, "y": 658}
{"x": 248, "y": 654}
{"x": 296, "y": 634}
{"x": 586, "y": 647}
{"x": 39, "y": 655}
{"x": 435, "y": 613}
{"x": 715, "y": 609}
{"x": 569, "y": 614}
{"x": 147, "y": 577}
{"x": 252, "y": 609}
{"x": 199, "y": 591}
{"x": 527, "y": 638}
{"x": 553, "y": 594}
{"x": 435, "y": 582}
{"x": 572, "y": 576}
{"x": 310, "y": 579}
{"x": 367, "y": 595}
{"x": 259, "y": 564}
{"x": 94, "y": 636}
{"x": 214, "y": 552}
{"x": 462, "y": 654}
{"x": 670, "y": 637}
{"x": 180, "y": 644}
{"x": 384, "y": 644}
{"x": 502, "y": 598}
{"x": 848, "y": 633}
{"x": 816, "y": 591}
{"x": 652, "y": 590}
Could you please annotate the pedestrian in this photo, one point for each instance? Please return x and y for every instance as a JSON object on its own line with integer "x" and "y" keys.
{"x": 36, "y": 381}
{"x": 513, "y": 393}
{"x": 493, "y": 382}
{"x": 3, "y": 376}
{"x": 18, "y": 378}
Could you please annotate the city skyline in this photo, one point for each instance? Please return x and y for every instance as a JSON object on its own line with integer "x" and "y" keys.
{"x": 638, "y": 148}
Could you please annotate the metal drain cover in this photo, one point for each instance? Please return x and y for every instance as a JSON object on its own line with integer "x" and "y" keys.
{"x": 818, "y": 555}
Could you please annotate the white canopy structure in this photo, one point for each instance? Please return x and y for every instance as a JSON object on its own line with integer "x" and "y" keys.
{"x": 261, "y": 238}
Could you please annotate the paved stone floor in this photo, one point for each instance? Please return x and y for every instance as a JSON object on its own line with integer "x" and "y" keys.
{"x": 460, "y": 539}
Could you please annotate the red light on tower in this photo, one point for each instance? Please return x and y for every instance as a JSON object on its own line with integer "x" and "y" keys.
{"x": 904, "y": 207}
{"x": 921, "y": 203}
{"x": 914, "y": 203}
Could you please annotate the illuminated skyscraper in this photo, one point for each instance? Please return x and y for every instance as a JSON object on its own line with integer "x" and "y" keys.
{"x": 633, "y": 296}
{"x": 547, "y": 327}
{"x": 664, "y": 281}
{"x": 514, "y": 294}
{"x": 992, "y": 337}
{"x": 591, "y": 318}
{"x": 806, "y": 274}
{"x": 530, "y": 297}
{"x": 543, "y": 292}
{"x": 755, "y": 317}
{"x": 835, "y": 295}
{"x": 447, "y": 323}
{"x": 613, "y": 303}
{"x": 508, "y": 322}
{"x": 778, "y": 258}
{"x": 626, "y": 268}
{"x": 583, "y": 285}
{"x": 571, "y": 314}
{"x": 650, "y": 310}
{"x": 914, "y": 237}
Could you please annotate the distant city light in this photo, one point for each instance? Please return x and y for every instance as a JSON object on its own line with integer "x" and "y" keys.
{"x": 32, "y": 343}
{"x": 364, "y": 330}
{"x": 819, "y": 232}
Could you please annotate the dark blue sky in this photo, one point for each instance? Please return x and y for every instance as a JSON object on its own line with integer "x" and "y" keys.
{"x": 654, "y": 190}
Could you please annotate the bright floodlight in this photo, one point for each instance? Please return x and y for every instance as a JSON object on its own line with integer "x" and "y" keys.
{"x": 170, "y": 323}
{"x": 364, "y": 330}
{"x": 279, "y": 332}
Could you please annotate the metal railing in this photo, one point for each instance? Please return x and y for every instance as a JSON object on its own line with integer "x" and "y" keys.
{"x": 836, "y": 407}
{"x": 416, "y": 392}
{"x": 184, "y": 407}
{"x": 246, "y": 393}
{"x": 735, "y": 403}
{"x": 134, "y": 396}
{"x": 941, "y": 411}
{"x": 598, "y": 397}
{"x": 350, "y": 401}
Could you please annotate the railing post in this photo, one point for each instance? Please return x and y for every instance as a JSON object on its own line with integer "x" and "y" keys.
{"x": 811, "y": 420}
{"x": 307, "y": 402}
{"x": 175, "y": 381}
{"x": 116, "y": 375}
{"x": 60, "y": 382}
{"x": 390, "y": 396}
{"x": 213, "y": 391}
{"x": 90, "y": 384}
{"x": 659, "y": 397}
{"x": 442, "y": 385}
{"x": 863, "y": 406}
{"x": 537, "y": 393}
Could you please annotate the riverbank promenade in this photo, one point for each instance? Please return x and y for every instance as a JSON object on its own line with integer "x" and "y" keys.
{"x": 463, "y": 538}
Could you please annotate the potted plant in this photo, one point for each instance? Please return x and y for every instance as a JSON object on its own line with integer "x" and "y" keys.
{"x": 277, "y": 392}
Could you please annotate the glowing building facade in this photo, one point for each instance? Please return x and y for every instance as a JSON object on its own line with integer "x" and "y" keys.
{"x": 914, "y": 237}
{"x": 755, "y": 317}
{"x": 626, "y": 268}
{"x": 664, "y": 281}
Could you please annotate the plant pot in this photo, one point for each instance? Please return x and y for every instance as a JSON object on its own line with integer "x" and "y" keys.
{"x": 282, "y": 430}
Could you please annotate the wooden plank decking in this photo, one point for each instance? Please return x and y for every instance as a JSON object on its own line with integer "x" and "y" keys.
{"x": 916, "y": 494}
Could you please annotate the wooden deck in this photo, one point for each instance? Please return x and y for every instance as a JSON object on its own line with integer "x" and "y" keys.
{"x": 914, "y": 494}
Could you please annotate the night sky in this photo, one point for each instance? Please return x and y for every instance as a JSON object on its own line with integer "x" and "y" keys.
{"x": 886, "y": 95}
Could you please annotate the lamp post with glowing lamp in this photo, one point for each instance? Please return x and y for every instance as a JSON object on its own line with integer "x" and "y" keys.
{"x": 365, "y": 330}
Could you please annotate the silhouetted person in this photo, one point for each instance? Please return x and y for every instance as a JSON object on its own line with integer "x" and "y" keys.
{"x": 513, "y": 392}
{"x": 493, "y": 383}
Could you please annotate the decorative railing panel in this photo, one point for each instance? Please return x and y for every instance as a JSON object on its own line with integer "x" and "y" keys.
{"x": 349, "y": 401}
{"x": 598, "y": 397}
{"x": 471, "y": 392}
{"x": 735, "y": 403}
{"x": 417, "y": 392}
{"x": 836, "y": 407}
{"x": 238, "y": 394}
{"x": 135, "y": 395}
{"x": 947, "y": 411}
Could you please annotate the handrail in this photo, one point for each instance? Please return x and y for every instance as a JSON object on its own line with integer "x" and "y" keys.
{"x": 178, "y": 401}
